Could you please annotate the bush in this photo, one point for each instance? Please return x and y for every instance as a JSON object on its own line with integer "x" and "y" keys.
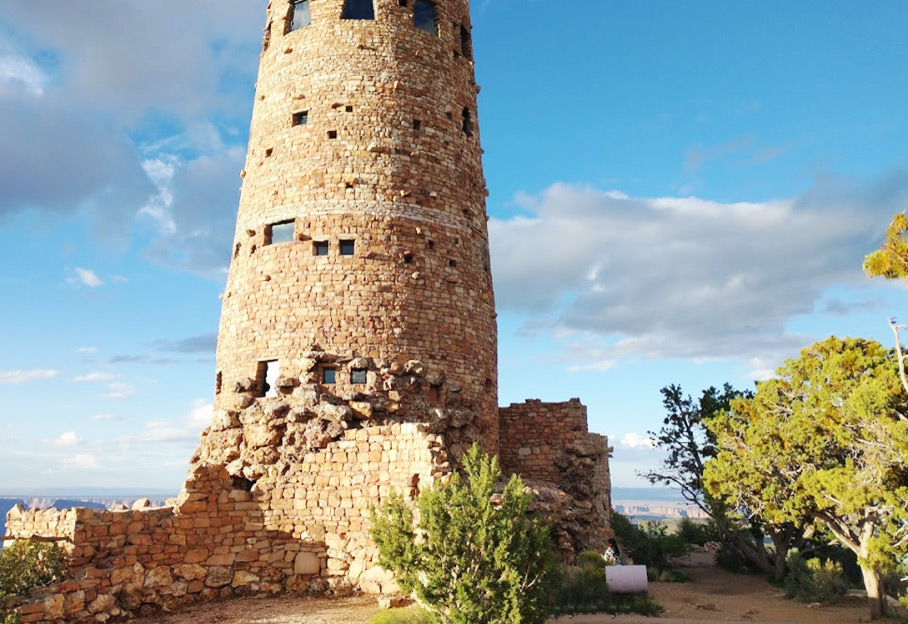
{"x": 649, "y": 544}
{"x": 469, "y": 559}
{"x": 583, "y": 590}
{"x": 814, "y": 580}
{"x": 25, "y": 565}
{"x": 693, "y": 532}
{"x": 408, "y": 615}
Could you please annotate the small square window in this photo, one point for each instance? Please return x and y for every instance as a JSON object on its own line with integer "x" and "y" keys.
{"x": 358, "y": 10}
{"x": 280, "y": 232}
{"x": 424, "y": 17}
{"x": 329, "y": 376}
{"x": 301, "y": 118}
{"x": 320, "y": 248}
{"x": 301, "y": 16}
{"x": 347, "y": 247}
{"x": 332, "y": 134}
{"x": 358, "y": 376}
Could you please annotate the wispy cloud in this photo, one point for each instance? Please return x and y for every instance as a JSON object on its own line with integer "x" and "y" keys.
{"x": 106, "y": 417}
{"x": 204, "y": 343}
{"x": 87, "y": 350}
{"x": 67, "y": 439}
{"x": 119, "y": 390}
{"x": 95, "y": 377}
{"x": 80, "y": 461}
{"x": 85, "y": 277}
{"x": 183, "y": 430}
{"x": 21, "y": 377}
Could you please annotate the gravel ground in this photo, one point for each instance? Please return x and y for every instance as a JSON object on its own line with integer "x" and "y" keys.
{"x": 714, "y": 596}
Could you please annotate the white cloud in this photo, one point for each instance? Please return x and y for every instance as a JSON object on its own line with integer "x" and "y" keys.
{"x": 684, "y": 278}
{"x": 637, "y": 441}
{"x": 95, "y": 377}
{"x": 119, "y": 390}
{"x": 600, "y": 366}
{"x": 160, "y": 172}
{"x": 21, "y": 377}
{"x": 106, "y": 417}
{"x": 67, "y": 439}
{"x": 186, "y": 429}
{"x": 85, "y": 277}
{"x": 87, "y": 350}
{"x": 81, "y": 461}
{"x": 18, "y": 74}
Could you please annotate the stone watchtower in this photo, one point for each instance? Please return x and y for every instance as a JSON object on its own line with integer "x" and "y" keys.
{"x": 361, "y": 251}
{"x": 357, "y": 345}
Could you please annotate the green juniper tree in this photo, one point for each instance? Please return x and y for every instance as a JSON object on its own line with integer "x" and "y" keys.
{"x": 471, "y": 557}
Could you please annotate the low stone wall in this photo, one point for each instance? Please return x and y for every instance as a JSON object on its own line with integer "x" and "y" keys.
{"x": 549, "y": 445}
{"x": 310, "y": 532}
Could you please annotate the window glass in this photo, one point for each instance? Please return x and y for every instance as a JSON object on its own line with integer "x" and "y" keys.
{"x": 320, "y": 248}
{"x": 301, "y": 17}
{"x": 424, "y": 17}
{"x": 282, "y": 232}
{"x": 347, "y": 247}
{"x": 358, "y": 10}
{"x": 358, "y": 376}
{"x": 329, "y": 376}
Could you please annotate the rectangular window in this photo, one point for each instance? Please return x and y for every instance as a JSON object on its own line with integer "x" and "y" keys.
{"x": 320, "y": 248}
{"x": 301, "y": 17}
{"x": 280, "y": 233}
{"x": 358, "y": 376}
{"x": 424, "y": 17}
{"x": 268, "y": 374}
{"x": 358, "y": 10}
{"x": 466, "y": 43}
{"x": 329, "y": 376}
{"x": 301, "y": 118}
{"x": 347, "y": 247}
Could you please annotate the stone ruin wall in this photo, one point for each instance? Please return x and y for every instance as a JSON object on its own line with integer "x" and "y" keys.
{"x": 304, "y": 530}
{"x": 550, "y": 447}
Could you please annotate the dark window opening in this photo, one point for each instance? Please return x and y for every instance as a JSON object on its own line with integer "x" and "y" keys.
{"x": 358, "y": 10}
{"x": 467, "y": 122}
{"x": 466, "y": 42}
{"x": 279, "y": 233}
{"x": 349, "y": 109}
{"x": 431, "y": 244}
{"x": 243, "y": 484}
{"x": 349, "y": 185}
{"x": 332, "y": 134}
{"x": 449, "y": 115}
{"x": 252, "y": 250}
{"x": 301, "y": 118}
{"x": 218, "y": 380}
{"x": 358, "y": 376}
{"x": 236, "y": 250}
{"x": 417, "y": 125}
{"x": 267, "y": 377}
{"x": 424, "y": 16}
{"x": 403, "y": 3}
{"x": 408, "y": 258}
{"x": 434, "y": 393}
{"x": 320, "y": 248}
{"x": 452, "y": 263}
{"x": 329, "y": 376}
{"x": 269, "y": 152}
{"x": 300, "y": 17}
{"x": 347, "y": 247}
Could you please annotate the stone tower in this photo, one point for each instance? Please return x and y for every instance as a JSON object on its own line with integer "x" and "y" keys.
{"x": 357, "y": 345}
{"x": 361, "y": 245}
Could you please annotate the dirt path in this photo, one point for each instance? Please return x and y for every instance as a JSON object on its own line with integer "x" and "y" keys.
{"x": 714, "y": 596}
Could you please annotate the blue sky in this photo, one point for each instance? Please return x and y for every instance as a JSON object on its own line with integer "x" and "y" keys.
{"x": 680, "y": 193}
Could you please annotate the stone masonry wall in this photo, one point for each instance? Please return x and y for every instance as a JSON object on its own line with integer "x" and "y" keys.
{"x": 549, "y": 445}
{"x": 308, "y": 533}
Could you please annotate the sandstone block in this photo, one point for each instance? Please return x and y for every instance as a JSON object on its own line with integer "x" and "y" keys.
{"x": 306, "y": 564}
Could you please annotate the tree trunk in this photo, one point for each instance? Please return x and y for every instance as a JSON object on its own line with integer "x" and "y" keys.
{"x": 875, "y": 595}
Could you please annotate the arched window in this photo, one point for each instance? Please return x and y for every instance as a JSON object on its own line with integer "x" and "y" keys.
{"x": 358, "y": 10}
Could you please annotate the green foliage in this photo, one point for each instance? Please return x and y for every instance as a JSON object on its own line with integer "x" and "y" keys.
{"x": 413, "y": 614}
{"x": 650, "y": 544}
{"x": 696, "y": 533}
{"x": 470, "y": 559}
{"x": 25, "y": 565}
{"x": 891, "y": 259}
{"x": 815, "y": 580}
{"x": 583, "y": 590}
{"x": 827, "y": 442}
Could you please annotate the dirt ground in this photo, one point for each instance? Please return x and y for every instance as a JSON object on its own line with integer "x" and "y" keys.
{"x": 714, "y": 596}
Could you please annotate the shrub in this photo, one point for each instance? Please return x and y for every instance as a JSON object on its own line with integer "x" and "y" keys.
{"x": 25, "y": 565}
{"x": 649, "y": 544}
{"x": 693, "y": 532}
{"x": 408, "y": 615}
{"x": 583, "y": 590}
{"x": 814, "y": 580}
{"x": 469, "y": 559}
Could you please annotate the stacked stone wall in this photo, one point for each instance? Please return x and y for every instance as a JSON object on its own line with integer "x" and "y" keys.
{"x": 550, "y": 446}
{"x": 306, "y": 530}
